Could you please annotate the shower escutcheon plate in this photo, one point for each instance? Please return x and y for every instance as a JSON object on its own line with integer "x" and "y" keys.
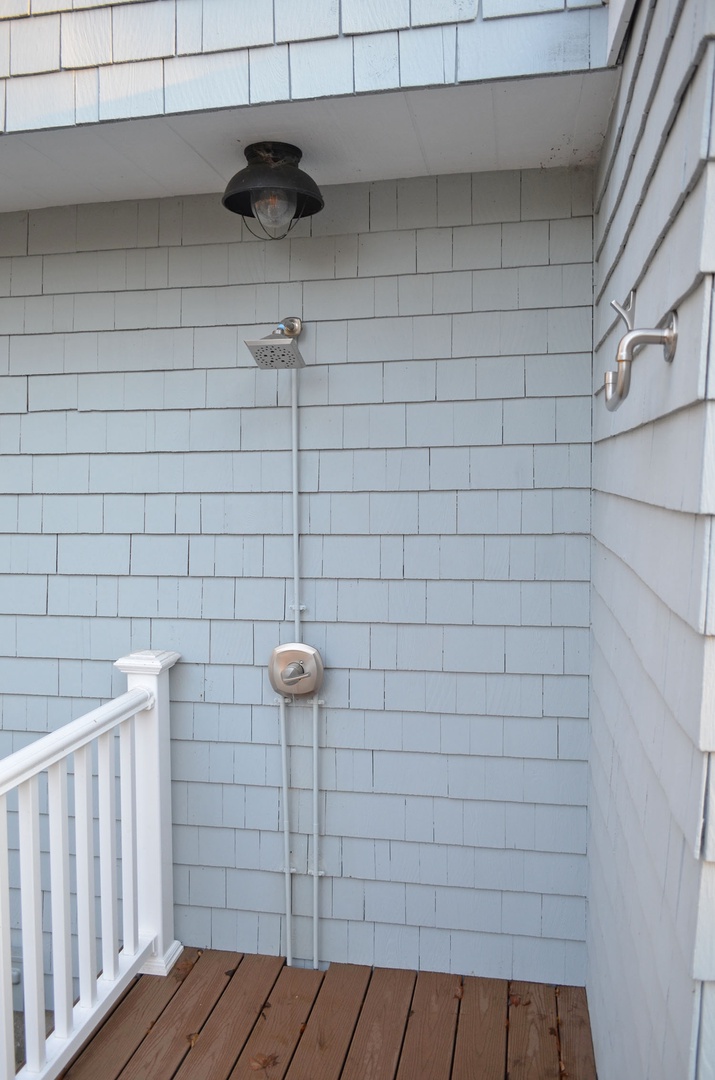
{"x": 295, "y": 669}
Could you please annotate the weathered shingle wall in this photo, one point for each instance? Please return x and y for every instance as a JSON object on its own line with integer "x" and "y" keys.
{"x": 652, "y": 594}
{"x": 90, "y": 62}
{"x": 445, "y": 426}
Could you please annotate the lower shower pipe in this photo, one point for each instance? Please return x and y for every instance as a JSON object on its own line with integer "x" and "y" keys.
{"x": 315, "y": 871}
{"x": 316, "y": 832}
{"x": 286, "y": 832}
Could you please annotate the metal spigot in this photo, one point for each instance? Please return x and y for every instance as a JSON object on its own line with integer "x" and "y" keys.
{"x": 618, "y": 383}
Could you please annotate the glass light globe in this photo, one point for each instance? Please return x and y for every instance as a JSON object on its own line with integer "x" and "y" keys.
{"x": 274, "y": 207}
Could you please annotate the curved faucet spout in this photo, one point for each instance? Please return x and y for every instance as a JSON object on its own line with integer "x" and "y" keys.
{"x": 631, "y": 341}
{"x": 618, "y": 383}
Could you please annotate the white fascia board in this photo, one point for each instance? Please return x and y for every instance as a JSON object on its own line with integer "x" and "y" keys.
{"x": 620, "y": 13}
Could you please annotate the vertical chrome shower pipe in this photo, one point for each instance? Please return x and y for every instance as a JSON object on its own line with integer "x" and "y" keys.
{"x": 294, "y": 467}
{"x": 282, "y": 700}
{"x": 316, "y": 831}
{"x": 286, "y": 832}
{"x": 316, "y": 713}
{"x": 316, "y": 702}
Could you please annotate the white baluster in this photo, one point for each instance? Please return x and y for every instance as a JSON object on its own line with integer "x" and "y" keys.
{"x": 60, "y": 896}
{"x": 84, "y": 825}
{"x": 127, "y": 797}
{"x": 107, "y": 854}
{"x": 31, "y": 909}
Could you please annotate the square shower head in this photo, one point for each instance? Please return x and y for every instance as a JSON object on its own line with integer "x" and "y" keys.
{"x": 276, "y": 351}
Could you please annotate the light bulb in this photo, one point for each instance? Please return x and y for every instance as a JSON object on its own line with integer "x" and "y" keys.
{"x": 274, "y": 207}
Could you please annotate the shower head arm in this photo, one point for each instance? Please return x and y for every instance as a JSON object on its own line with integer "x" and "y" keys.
{"x": 290, "y": 327}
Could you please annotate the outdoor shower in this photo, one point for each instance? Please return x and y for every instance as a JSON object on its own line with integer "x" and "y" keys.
{"x": 294, "y": 668}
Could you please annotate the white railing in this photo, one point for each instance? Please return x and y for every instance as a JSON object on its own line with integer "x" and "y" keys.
{"x": 123, "y": 803}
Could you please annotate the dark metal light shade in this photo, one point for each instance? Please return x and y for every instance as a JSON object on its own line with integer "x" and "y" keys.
{"x": 272, "y": 166}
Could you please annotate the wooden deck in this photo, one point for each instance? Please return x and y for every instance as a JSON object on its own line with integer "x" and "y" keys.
{"x": 224, "y": 1016}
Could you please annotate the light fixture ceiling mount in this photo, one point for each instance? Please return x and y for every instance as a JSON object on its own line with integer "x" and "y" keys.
{"x": 272, "y": 189}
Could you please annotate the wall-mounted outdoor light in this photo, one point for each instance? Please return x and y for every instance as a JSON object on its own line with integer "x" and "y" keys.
{"x": 272, "y": 189}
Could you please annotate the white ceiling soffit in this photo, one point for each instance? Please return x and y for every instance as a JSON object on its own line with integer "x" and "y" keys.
{"x": 525, "y": 123}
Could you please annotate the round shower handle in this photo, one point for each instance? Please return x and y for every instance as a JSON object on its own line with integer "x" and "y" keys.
{"x": 295, "y": 669}
{"x": 293, "y": 673}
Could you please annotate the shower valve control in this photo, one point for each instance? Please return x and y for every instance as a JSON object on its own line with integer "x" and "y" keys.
{"x": 295, "y": 669}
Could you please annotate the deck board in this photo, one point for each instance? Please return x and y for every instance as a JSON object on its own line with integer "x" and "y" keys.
{"x": 575, "y": 1033}
{"x": 375, "y": 1050}
{"x": 224, "y": 1016}
{"x": 168, "y": 1042}
{"x": 480, "y": 1047}
{"x": 221, "y": 1040}
{"x": 429, "y": 1040}
{"x": 279, "y": 1026}
{"x": 533, "y": 1041}
{"x": 325, "y": 1043}
{"x": 129, "y": 1024}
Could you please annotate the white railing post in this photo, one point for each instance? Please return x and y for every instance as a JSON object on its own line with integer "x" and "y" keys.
{"x": 150, "y": 671}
